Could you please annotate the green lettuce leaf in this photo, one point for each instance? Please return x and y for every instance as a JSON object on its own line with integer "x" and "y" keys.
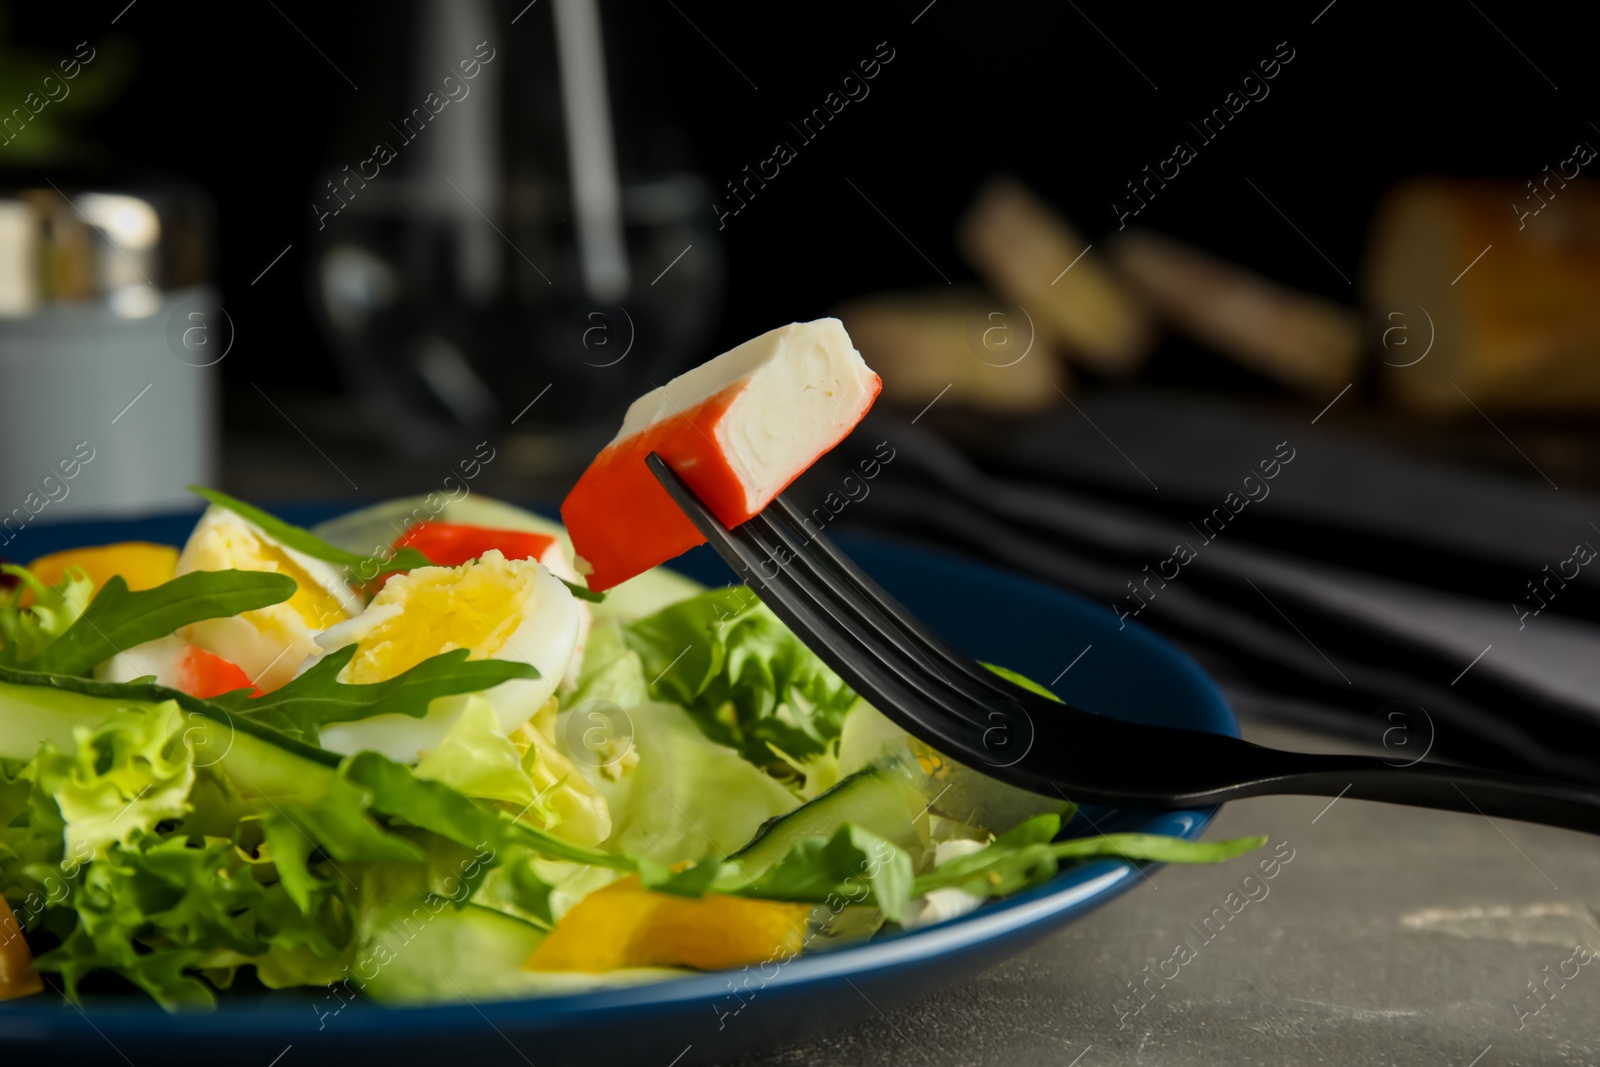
{"x": 517, "y": 885}
{"x": 694, "y": 881}
{"x": 317, "y": 697}
{"x": 477, "y": 760}
{"x": 26, "y": 631}
{"x": 610, "y": 672}
{"x": 746, "y": 679}
{"x": 118, "y": 619}
{"x": 672, "y": 792}
{"x": 686, "y": 795}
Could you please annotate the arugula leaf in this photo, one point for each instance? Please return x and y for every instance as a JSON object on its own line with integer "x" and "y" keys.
{"x": 317, "y": 697}
{"x": 434, "y": 806}
{"x": 1027, "y": 855}
{"x": 1026, "y": 683}
{"x": 119, "y": 619}
{"x": 582, "y": 592}
{"x": 694, "y": 881}
{"x": 744, "y": 677}
{"x": 513, "y": 887}
{"x": 363, "y": 568}
{"x": 1156, "y": 848}
{"x": 30, "y": 717}
{"x": 24, "y": 631}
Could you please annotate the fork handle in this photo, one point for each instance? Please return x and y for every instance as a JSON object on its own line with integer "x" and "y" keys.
{"x": 1427, "y": 785}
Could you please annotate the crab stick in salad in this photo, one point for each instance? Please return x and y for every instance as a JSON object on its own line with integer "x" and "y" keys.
{"x": 738, "y": 429}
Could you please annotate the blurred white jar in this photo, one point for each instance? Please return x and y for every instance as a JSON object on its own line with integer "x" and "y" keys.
{"x": 111, "y": 341}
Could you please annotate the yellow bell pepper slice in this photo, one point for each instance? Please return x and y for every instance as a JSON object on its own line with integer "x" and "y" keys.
{"x": 626, "y": 925}
{"x": 142, "y": 565}
{"x": 17, "y": 976}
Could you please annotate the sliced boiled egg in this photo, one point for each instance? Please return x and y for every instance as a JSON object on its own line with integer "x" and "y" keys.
{"x": 269, "y": 644}
{"x": 450, "y": 544}
{"x": 176, "y": 664}
{"x": 496, "y": 608}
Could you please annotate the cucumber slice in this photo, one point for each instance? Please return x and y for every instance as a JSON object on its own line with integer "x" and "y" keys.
{"x": 466, "y": 954}
{"x": 876, "y": 798}
{"x": 953, "y": 790}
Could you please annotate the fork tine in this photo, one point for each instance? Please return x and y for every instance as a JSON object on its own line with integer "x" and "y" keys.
{"x": 899, "y": 628}
{"x": 886, "y": 681}
{"x": 874, "y": 637}
{"x": 865, "y": 592}
{"x": 890, "y": 685}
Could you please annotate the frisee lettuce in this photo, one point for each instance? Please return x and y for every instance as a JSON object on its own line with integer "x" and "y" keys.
{"x": 746, "y": 679}
{"x": 160, "y": 912}
{"x": 25, "y": 631}
{"x": 124, "y": 776}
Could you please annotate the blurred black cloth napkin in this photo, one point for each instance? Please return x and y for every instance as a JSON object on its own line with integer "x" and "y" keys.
{"x": 1327, "y": 581}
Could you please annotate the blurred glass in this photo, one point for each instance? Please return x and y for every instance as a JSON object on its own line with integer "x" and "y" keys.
{"x": 456, "y": 275}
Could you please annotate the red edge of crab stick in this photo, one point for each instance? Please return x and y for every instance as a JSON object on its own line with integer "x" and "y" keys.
{"x": 205, "y": 674}
{"x": 620, "y": 519}
{"x": 450, "y": 544}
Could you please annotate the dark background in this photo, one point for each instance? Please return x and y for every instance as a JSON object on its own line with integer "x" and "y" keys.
{"x": 234, "y": 98}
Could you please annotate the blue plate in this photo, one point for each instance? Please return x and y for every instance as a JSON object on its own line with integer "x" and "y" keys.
{"x": 995, "y": 616}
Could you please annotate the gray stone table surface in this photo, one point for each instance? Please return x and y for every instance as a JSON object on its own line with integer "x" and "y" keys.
{"x": 1392, "y": 936}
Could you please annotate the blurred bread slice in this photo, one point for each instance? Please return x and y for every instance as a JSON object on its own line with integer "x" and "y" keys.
{"x": 1023, "y": 250}
{"x": 1305, "y": 342}
{"x": 1519, "y": 331}
{"x": 922, "y": 342}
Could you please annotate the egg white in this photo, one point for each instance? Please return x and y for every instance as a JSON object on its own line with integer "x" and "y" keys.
{"x": 269, "y": 644}
{"x": 546, "y": 635}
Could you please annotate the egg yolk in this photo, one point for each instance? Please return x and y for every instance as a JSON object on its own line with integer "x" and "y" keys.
{"x": 476, "y": 606}
{"x": 230, "y": 547}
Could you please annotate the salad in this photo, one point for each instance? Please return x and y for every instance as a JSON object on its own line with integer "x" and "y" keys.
{"x": 474, "y": 778}
{"x": 428, "y": 752}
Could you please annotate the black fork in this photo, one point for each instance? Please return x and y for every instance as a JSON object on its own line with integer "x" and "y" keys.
{"x": 963, "y": 709}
